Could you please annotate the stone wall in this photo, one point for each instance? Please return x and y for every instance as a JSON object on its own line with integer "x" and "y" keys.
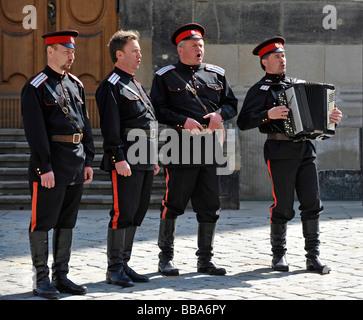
{"x": 320, "y": 47}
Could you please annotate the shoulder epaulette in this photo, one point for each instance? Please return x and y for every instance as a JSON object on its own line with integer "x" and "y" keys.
{"x": 264, "y": 87}
{"x": 75, "y": 78}
{"x": 39, "y": 79}
{"x": 114, "y": 78}
{"x": 216, "y": 69}
{"x": 165, "y": 69}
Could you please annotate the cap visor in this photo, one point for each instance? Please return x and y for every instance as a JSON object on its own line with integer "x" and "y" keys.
{"x": 69, "y": 45}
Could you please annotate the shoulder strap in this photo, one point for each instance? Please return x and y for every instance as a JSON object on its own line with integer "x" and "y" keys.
{"x": 216, "y": 69}
{"x": 39, "y": 79}
{"x": 165, "y": 69}
{"x": 64, "y": 108}
{"x": 114, "y": 78}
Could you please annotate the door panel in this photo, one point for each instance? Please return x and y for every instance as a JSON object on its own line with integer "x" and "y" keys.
{"x": 20, "y": 56}
{"x": 96, "y": 22}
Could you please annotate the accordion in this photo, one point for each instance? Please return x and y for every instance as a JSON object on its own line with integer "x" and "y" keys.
{"x": 310, "y": 106}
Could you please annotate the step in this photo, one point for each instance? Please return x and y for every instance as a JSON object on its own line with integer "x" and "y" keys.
{"x": 20, "y": 173}
{"x": 13, "y": 187}
{"x": 18, "y": 134}
{"x": 13, "y": 160}
{"x": 18, "y": 147}
{"x": 21, "y": 160}
{"x": 12, "y": 134}
{"x": 22, "y": 147}
{"x": 15, "y": 202}
{"x": 13, "y": 174}
{"x": 88, "y": 202}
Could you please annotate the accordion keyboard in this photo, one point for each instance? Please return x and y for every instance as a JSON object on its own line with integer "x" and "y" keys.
{"x": 331, "y": 105}
{"x": 289, "y": 124}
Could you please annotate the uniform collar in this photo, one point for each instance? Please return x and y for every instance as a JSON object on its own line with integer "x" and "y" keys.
{"x": 186, "y": 67}
{"x": 53, "y": 74}
{"x": 123, "y": 73}
{"x": 276, "y": 78}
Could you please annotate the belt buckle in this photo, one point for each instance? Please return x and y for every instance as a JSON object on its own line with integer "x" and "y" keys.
{"x": 301, "y": 139}
{"x": 205, "y": 127}
{"x": 152, "y": 133}
{"x": 76, "y": 138}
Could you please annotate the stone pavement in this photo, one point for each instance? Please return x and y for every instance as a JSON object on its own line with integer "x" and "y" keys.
{"x": 241, "y": 246}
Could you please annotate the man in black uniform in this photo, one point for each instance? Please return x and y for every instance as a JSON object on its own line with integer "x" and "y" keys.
{"x": 58, "y": 131}
{"x": 291, "y": 164}
{"x": 124, "y": 108}
{"x": 194, "y": 96}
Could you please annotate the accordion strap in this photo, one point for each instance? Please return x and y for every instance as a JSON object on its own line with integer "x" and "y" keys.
{"x": 192, "y": 90}
{"x": 148, "y": 108}
{"x": 290, "y": 82}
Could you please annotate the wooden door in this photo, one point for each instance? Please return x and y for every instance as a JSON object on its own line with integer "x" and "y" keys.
{"x": 21, "y": 55}
{"x": 22, "y": 51}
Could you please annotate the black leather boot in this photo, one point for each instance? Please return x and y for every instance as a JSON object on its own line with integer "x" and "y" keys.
{"x": 311, "y": 234}
{"x": 206, "y": 232}
{"x": 166, "y": 245}
{"x": 126, "y": 249}
{"x": 115, "y": 270}
{"x": 278, "y": 243}
{"x": 39, "y": 254}
{"x": 62, "y": 245}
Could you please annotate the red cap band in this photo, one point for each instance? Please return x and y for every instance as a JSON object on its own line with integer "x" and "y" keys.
{"x": 187, "y": 34}
{"x": 59, "y": 39}
{"x": 269, "y": 48}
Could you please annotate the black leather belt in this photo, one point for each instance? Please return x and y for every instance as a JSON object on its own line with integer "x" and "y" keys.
{"x": 278, "y": 136}
{"x": 282, "y": 137}
{"x": 69, "y": 138}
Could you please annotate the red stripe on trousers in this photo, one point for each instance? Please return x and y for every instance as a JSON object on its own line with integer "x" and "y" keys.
{"x": 115, "y": 199}
{"x": 33, "y": 222}
{"x": 166, "y": 194}
{"x": 273, "y": 189}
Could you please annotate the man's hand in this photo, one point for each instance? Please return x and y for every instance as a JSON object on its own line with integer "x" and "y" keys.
{"x": 215, "y": 119}
{"x": 193, "y": 126}
{"x": 279, "y": 112}
{"x": 88, "y": 174}
{"x": 156, "y": 169}
{"x": 336, "y": 116}
{"x": 123, "y": 168}
{"x": 47, "y": 180}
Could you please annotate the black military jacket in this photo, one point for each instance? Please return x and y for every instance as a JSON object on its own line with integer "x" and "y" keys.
{"x": 43, "y": 117}
{"x": 259, "y": 99}
{"x": 121, "y": 110}
{"x": 174, "y": 103}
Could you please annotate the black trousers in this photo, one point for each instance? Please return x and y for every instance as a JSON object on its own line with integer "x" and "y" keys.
{"x": 198, "y": 184}
{"x": 288, "y": 175}
{"x": 131, "y": 198}
{"x": 54, "y": 208}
